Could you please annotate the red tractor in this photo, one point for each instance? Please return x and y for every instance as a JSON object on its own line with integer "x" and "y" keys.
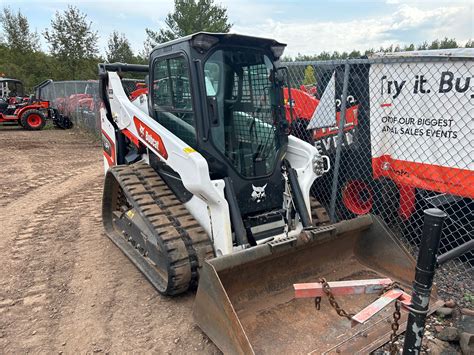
{"x": 31, "y": 112}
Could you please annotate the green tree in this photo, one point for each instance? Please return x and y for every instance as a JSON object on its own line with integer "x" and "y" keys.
{"x": 446, "y": 43}
{"x": 355, "y": 54}
{"x": 434, "y": 44}
{"x": 119, "y": 49}
{"x": 369, "y": 52}
{"x": 469, "y": 44}
{"x": 188, "y": 17}
{"x": 423, "y": 46}
{"x": 31, "y": 69}
{"x": 72, "y": 40}
{"x": 309, "y": 78}
{"x": 17, "y": 33}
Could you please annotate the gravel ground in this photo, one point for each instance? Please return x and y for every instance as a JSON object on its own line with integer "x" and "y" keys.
{"x": 457, "y": 286}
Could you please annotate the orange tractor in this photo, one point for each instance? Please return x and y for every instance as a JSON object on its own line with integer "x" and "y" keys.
{"x": 31, "y": 112}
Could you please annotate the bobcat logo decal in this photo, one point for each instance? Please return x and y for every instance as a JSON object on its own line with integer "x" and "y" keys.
{"x": 258, "y": 194}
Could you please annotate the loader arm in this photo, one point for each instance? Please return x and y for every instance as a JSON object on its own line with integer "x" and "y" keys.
{"x": 187, "y": 162}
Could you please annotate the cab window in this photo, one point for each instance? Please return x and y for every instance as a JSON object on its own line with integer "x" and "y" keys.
{"x": 172, "y": 102}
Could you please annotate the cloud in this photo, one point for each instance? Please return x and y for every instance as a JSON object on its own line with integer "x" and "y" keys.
{"x": 307, "y": 26}
{"x": 405, "y": 25}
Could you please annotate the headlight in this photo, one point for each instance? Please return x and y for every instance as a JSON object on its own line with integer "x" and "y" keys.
{"x": 321, "y": 164}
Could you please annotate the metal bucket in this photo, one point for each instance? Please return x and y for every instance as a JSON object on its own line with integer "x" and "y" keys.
{"x": 245, "y": 301}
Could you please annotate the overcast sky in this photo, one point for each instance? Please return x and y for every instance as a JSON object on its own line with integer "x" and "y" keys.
{"x": 307, "y": 26}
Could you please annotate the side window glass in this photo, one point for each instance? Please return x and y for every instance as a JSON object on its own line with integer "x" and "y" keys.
{"x": 172, "y": 102}
{"x": 180, "y": 84}
{"x": 212, "y": 72}
{"x": 161, "y": 90}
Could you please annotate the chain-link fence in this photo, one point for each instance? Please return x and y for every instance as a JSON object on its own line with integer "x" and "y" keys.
{"x": 78, "y": 100}
{"x": 398, "y": 129}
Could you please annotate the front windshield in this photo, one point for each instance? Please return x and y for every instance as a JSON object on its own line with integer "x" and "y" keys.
{"x": 240, "y": 91}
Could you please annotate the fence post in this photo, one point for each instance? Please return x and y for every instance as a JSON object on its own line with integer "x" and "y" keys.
{"x": 53, "y": 99}
{"x": 339, "y": 140}
{"x": 425, "y": 270}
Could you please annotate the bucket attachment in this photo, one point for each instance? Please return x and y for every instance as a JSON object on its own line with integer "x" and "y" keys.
{"x": 245, "y": 301}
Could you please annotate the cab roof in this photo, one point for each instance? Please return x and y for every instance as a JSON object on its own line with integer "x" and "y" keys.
{"x": 225, "y": 38}
{"x": 8, "y": 79}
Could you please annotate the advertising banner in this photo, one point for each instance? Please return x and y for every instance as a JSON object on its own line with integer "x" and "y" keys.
{"x": 422, "y": 124}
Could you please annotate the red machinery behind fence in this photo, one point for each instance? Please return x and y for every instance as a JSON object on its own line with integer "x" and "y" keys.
{"x": 304, "y": 104}
{"x": 357, "y": 196}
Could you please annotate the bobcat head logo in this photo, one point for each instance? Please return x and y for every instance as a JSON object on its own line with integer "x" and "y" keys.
{"x": 258, "y": 194}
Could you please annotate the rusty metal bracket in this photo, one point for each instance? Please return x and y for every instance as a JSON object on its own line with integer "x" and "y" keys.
{"x": 291, "y": 241}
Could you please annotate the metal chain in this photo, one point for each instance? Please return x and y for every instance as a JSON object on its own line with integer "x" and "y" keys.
{"x": 395, "y": 326}
{"x": 341, "y": 312}
{"x": 327, "y": 290}
{"x": 396, "y": 317}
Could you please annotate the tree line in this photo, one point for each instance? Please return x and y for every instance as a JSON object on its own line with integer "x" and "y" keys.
{"x": 73, "y": 51}
{"x": 445, "y": 43}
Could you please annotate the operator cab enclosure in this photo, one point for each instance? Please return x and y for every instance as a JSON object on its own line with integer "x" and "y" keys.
{"x": 11, "y": 88}
{"x": 222, "y": 95}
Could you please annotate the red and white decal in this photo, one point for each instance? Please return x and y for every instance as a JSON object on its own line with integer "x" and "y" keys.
{"x": 425, "y": 176}
{"x": 151, "y": 138}
{"x": 108, "y": 147}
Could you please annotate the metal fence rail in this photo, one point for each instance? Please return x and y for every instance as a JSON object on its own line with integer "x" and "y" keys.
{"x": 398, "y": 131}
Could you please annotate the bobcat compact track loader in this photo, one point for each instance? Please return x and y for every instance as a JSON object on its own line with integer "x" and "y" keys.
{"x": 204, "y": 184}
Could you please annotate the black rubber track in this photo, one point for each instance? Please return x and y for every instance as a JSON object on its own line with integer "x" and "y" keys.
{"x": 319, "y": 214}
{"x": 180, "y": 241}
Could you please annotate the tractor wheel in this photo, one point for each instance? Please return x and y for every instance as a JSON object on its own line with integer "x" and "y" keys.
{"x": 357, "y": 197}
{"x": 33, "y": 120}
